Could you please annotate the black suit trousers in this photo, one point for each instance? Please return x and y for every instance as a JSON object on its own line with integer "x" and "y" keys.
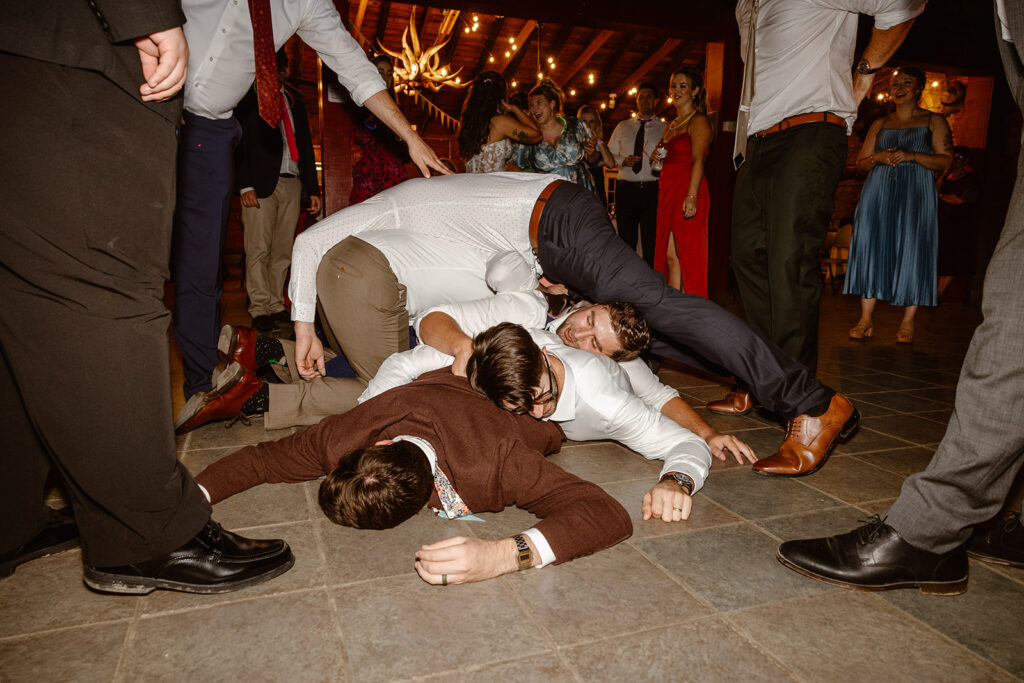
{"x": 88, "y": 183}
{"x": 578, "y": 247}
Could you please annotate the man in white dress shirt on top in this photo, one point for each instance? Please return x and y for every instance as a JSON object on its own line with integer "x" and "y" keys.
{"x": 222, "y": 44}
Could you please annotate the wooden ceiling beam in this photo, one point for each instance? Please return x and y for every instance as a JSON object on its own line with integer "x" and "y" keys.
{"x": 649, "y": 63}
{"x": 522, "y": 42}
{"x": 599, "y": 39}
{"x": 357, "y": 25}
{"x": 482, "y": 63}
{"x": 555, "y": 45}
{"x": 382, "y": 23}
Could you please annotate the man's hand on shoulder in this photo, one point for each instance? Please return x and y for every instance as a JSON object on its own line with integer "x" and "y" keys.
{"x": 464, "y": 560}
{"x": 667, "y": 501}
{"x": 164, "y": 57}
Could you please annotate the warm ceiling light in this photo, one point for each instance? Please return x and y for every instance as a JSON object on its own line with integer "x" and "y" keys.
{"x": 459, "y": 80}
{"x": 507, "y": 53}
{"x": 467, "y": 29}
{"x": 602, "y": 105}
{"x": 475, "y": 26}
{"x": 670, "y": 100}
{"x": 590, "y": 78}
{"x": 514, "y": 84}
{"x": 490, "y": 59}
{"x": 550, "y": 59}
{"x": 633, "y": 114}
{"x": 512, "y": 39}
{"x": 476, "y": 19}
{"x": 552, "y": 65}
{"x": 663, "y": 119}
{"x": 514, "y": 48}
{"x": 632, "y": 91}
{"x": 935, "y": 84}
{"x": 881, "y": 96}
{"x": 572, "y": 93}
{"x": 540, "y": 75}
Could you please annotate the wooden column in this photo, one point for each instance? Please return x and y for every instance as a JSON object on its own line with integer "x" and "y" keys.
{"x": 723, "y": 76}
{"x": 335, "y": 136}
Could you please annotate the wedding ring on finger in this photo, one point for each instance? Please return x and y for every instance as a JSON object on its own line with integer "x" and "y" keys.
{"x": 444, "y": 579}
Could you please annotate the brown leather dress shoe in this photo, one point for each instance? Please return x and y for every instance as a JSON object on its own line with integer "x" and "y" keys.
{"x": 236, "y": 344}
{"x": 231, "y": 389}
{"x": 875, "y": 557}
{"x": 737, "y": 402}
{"x": 809, "y": 440}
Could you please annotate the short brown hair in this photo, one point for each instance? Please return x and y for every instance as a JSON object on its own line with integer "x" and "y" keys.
{"x": 377, "y": 487}
{"x": 630, "y": 328}
{"x": 506, "y": 367}
{"x": 547, "y": 89}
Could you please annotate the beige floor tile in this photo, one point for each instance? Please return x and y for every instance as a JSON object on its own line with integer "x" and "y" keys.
{"x": 851, "y": 636}
{"x": 730, "y": 567}
{"x": 754, "y": 496}
{"x": 611, "y": 592}
{"x": 852, "y": 481}
{"x": 48, "y": 593}
{"x": 360, "y": 554}
{"x": 813, "y": 524}
{"x": 281, "y": 638}
{"x": 401, "y": 627}
{"x": 85, "y": 654}
{"x": 706, "y": 650}
{"x": 217, "y": 435}
{"x": 604, "y": 462}
{"x": 902, "y": 461}
{"x": 546, "y": 668}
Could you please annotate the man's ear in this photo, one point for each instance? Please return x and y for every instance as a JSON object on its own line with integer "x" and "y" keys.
{"x": 384, "y": 442}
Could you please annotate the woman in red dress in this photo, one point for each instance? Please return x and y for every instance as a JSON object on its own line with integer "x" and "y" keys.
{"x": 681, "y": 247}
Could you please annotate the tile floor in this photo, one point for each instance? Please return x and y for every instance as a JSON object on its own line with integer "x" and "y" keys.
{"x": 703, "y": 600}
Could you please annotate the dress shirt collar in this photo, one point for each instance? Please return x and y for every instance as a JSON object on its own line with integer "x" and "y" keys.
{"x": 424, "y": 446}
{"x": 566, "y": 408}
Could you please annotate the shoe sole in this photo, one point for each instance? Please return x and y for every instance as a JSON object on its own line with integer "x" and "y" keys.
{"x": 848, "y": 428}
{"x": 8, "y": 569}
{"x": 729, "y": 412}
{"x": 140, "y": 585}
{"x": 224, "y": 381}
{"x": 994, "y": 560}
{"x": 226, "y": 343}
{"x": 927, "y": 587}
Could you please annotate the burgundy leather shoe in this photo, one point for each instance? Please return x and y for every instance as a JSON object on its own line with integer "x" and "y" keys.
{"x": 236, "y": 344}
{"x": 875, "y": 558}
{"x": 737, "y": 402}
{"x": 809, "y": 440}
{"x": 231, "y": 388}
{"x": 215, "y": 561}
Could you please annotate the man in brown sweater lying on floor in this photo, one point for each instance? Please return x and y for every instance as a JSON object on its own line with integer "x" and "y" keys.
{"x": 437, "y": 442}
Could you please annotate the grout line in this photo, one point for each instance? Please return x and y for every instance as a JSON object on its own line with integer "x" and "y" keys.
{"x": 63, "y": 629}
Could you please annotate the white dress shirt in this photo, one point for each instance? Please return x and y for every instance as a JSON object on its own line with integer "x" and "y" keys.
{"x": 623, "y": 140}
{"x": 804, "y": 54}
{"x": 596, "y": 402}
{"x": 540, "y": 543}
{"x": 489, "y": 212}
{"x": 221, "y": 66}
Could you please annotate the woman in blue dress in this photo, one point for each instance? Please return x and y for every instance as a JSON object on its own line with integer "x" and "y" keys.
{"x": 894, "y": 247}
{"x": 566, "y": 141}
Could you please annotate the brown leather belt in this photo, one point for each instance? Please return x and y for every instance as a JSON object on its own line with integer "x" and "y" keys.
{"x": 801, "y": 119}
{"x": 538, "y": 208}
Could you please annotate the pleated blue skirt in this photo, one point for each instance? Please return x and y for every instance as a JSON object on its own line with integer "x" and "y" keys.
{"x": 894, "y": 247}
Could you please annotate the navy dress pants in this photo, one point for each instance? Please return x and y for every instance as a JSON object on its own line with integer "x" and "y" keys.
{"x": 205, "y": 183}
{"x": 577, "y": 246}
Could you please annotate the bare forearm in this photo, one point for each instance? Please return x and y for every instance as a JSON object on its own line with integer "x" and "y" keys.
{"x": 884, "y": 43}
{"x": 696, "y": 174}
{"x": 683, "y": 415}
{"x": 442, "y": 332}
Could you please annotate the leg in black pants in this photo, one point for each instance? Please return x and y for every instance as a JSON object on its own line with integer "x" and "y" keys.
{"x": 636, "y": 207}
{"x": 578, "y": 247}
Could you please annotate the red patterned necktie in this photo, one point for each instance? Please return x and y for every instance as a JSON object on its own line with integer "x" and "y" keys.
{"x": 289, "y": 132}
{"x": 267, "y": 85}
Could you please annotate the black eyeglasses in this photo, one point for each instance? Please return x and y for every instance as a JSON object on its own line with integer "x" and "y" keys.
{"x": 549, "y": 396}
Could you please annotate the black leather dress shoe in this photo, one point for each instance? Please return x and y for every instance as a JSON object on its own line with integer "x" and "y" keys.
{"x": 875, "y": 558}
{"x": 59, "y": 534}
{"x": 1001, "y": 541}
{"x": 215, "y": 561}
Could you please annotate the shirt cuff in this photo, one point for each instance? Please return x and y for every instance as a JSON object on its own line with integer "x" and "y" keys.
{"x": 305, "y": 313}
{"x": 205, "y": 492}
{"x": 547, "y": 556}
{"x": 246, "y": 189}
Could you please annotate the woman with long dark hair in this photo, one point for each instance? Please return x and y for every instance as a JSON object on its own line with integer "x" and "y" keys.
{"x": 566, "y": 141}
{"x": 894, "y": 247}
{"x": 681, "y": 245}
{"x": 490, "y": 124}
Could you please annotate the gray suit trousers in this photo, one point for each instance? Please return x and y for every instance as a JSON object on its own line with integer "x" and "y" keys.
{"x": 974, "y": 467}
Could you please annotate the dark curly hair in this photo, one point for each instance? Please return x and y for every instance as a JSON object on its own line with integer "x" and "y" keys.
{"x": 630, "y": 328}
{"x": 486, "y": 93}
{"x": 547, "y": 89}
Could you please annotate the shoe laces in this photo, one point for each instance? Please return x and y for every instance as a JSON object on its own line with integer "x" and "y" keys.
{"x": 871, "y": 530}
{"x": 241, "y": 417}
{"x": 793, "y": 428}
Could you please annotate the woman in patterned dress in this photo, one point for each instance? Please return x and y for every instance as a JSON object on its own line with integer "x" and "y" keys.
{"x": 490, "y": 124}
{"x": 566, "y": 141}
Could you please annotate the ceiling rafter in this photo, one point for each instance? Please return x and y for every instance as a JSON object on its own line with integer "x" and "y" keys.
{"x": 556, "y": 43}
{"x": 649, "y": 63}
{"x": 599, "y": 39}
{"x": 382, "y": 23}
{"x": 482, "y": 62}
{"x": 522, "y": 42}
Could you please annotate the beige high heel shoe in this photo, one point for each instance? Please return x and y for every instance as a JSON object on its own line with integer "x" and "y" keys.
{"x": 862, "y": 331}
{"x": 905, "y": 335}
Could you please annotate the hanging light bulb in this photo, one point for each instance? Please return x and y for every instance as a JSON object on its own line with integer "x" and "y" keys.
{"x": 490, "y": 59}
{"x": 572, "y": 93}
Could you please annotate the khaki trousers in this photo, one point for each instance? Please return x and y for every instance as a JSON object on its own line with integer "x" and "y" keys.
{"x": 269, "y": 233}
{"x": 362, "y": 305}
{"x": 306, "y": 402}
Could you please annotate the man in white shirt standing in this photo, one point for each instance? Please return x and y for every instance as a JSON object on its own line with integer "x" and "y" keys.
{"x": 224, "y": 40}
{"x": 799, "y": 104}
{"x": 636, "y": 188}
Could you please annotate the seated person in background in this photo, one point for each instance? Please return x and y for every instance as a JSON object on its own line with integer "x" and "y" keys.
{"x": 437, "y": 442}
{"x": 588, "y": 394}
{"x": 490, "y": 125}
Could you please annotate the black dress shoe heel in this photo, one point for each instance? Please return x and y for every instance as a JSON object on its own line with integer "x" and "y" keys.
{"x": 851, "y": 425}
{"x": 951, "y": 588}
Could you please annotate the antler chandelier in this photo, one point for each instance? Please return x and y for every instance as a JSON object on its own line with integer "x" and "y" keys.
{"x": 417, "y": 68}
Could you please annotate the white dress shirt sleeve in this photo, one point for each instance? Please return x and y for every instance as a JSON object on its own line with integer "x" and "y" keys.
{"x": 528, "y": 309}
{"x": 402, "y": 368}
{"x": 638, "y": 426}
{"x": 646, "y": 384}
{"x": 887, "y": 13}
{"x": 547, "y": 556}
{"x": 615, "y": 145}
{"x": 322, "y": 30}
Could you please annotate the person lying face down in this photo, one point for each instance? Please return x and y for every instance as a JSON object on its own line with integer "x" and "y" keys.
{"x": 438, "y": 443}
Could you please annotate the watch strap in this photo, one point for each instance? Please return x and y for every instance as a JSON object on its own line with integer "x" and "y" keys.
{"x": 864, "y": 68}
{"x": 524, "y": 556}
{"x": 683, "y": 480}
